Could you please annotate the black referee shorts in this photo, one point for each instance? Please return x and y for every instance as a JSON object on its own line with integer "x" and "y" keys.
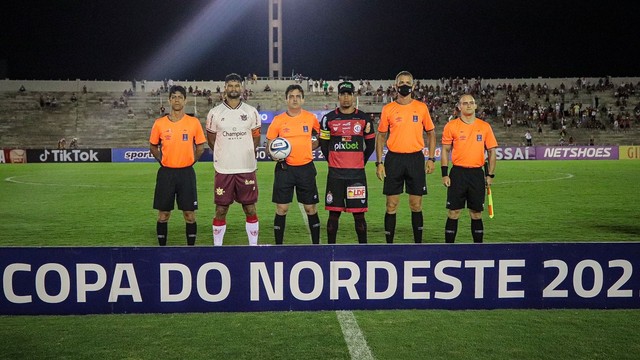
{"x": 467, "y": 187}
{"x": 404, "y": 169}
{"x": 302, "y": 178}
{"x": 176, "y": 185}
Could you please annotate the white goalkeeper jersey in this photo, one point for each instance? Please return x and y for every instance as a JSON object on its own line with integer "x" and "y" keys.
{"x": 233, "y": 151}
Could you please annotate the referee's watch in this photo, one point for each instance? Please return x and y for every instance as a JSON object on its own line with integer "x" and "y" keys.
{"x": 432, "y": 159}
{"x": 379, "y": 163}
{"x": 491, "y": 175}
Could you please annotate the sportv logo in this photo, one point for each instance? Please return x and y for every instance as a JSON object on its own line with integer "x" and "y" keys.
{"x": 133, "y": 155}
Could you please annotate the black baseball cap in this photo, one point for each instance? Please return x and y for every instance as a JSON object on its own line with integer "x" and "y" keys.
{"x": 233, "y": 77}
{"x": 345, "y": 86}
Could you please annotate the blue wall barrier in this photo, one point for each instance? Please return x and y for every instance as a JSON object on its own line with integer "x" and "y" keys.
{"x": 91, "y": 280}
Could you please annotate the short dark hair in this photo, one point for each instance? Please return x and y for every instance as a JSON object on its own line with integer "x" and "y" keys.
{"x": 293, "y": 87}
{"x": 177, "y": 88}
{"x": 404, "y": 73}
{"x": 233, "y": 77}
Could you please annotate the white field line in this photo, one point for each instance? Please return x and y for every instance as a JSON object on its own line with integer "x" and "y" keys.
{"x": 15, "y": 180}
{"x": 563, "y": 177}
{"x": 358, "y": 348}
{"x": 305, "y": 219}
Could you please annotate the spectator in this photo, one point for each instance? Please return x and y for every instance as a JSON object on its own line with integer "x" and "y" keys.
{"x": 528, "y": 137}
{"x": 74, "y": 143}
{"x": 62, "y": 144}
{"x": 22, "y": 89}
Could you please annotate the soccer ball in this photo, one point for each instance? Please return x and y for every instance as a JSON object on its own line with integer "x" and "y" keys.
{"x": 280, "y": 148}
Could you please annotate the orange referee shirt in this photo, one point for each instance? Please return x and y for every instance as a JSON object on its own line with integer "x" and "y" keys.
{"x": 298, "y": 130}
{"x": 469, "y": 141}
{"x": 405, "y": 124}
{"x": 177, "y": 139}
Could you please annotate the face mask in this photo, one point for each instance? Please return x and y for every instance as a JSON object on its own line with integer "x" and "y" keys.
{"x": 404, "y": 90}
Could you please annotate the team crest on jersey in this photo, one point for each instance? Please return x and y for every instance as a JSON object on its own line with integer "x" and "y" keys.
{"x": 243, "y": 117}
{"x": 357, "y": 128}
{"x": 479, "y": 137}
{"x": 305, "y": 128}
{"x": 329, "y": 197}
{"x": 185, "y": 137}
{"x": 415, "y": 118}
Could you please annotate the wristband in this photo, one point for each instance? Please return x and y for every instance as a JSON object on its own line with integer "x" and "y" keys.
{"x": 432, "y": 159}
{"x": 445, "y": 170}
{"x": 379, "y": 163}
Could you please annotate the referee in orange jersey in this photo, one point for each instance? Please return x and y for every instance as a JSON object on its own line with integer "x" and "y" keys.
{"x": 402, "y": 124}
{"x": 466, "y": 139}
{"x": 177, "y": 142}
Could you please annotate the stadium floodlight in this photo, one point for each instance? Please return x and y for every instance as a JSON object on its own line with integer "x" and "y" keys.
{"x": 190, "y": 44}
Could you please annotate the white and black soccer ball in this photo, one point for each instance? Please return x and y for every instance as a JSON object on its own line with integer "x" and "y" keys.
{"x": 280, "y": 148}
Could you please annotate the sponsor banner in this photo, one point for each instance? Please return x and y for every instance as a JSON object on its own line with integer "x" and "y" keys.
{"x": 68, "y": 155}
{"x": 85, "y": 280}
{"x": 144, "y": 155}
{"x": 516, "y": 153}
{"x": 629, "y": 152}
{"x": 576, "y": 153}
{"x": 267, "y": 116}
{"x": 132, "y": 155}
{"x": 13, "y": 156}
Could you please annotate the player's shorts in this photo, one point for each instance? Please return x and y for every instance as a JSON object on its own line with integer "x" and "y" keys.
{"x": 302, "y": 178}
{"x": 242, "y": 188}
{"x": 404, "y": 169}
{"x": 177, "y": 185}
{"x": 467, "y": 186}
{"x": 347, "y": 195}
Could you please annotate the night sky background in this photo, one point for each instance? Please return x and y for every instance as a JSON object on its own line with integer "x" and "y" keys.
{"x": 331, "y": 39}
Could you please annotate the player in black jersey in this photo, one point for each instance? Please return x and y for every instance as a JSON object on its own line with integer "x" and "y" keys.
{"x": 347, "y": 139}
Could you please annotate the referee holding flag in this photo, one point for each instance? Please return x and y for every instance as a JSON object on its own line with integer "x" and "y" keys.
{"x": 467, "y": 138}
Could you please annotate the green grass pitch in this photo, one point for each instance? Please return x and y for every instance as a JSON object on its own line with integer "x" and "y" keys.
{"x": 110, "y": 205}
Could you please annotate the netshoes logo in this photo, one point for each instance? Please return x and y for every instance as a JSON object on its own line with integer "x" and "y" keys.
{"x": 346, "y": 146}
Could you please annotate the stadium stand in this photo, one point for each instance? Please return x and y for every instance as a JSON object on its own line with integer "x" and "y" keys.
{"x": 108, "y": 114}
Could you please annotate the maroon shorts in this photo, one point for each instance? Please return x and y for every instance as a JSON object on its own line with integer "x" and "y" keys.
{"x": 242, "y": 188}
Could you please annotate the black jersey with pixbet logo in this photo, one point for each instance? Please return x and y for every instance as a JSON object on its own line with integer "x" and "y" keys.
{"x": 345, "y": 138}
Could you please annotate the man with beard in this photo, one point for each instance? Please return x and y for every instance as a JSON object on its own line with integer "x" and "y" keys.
{"x": 176, "y": 141}
{"x": 233, "y": 134}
